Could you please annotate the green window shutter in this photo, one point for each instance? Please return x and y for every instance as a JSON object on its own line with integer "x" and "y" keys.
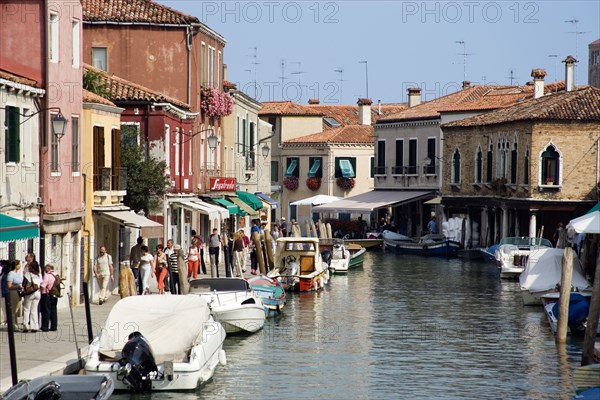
{"x": 314, "y": 168}
{"x": 291, "y": 168}
{"x": 13, "y": 137}
{"x": 347, "y": 169}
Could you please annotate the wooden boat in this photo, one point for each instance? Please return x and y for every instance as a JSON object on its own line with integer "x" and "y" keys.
{"x": 156, "y": 343}
{"x": 512, "y": 253}
{"x": 271, "y": 293}
{"x": 428, "y": 245}
{"x": 543, "y": 272}
{"x": 587, "y": 378}
{"x": 232, "y": 302}
{"x": 579, "y": 304}
{"x": 299, "y": 265}
{"x": 357, "y": 255}
{"x": 98, "y": 387}
{"x": 341, "y": 255}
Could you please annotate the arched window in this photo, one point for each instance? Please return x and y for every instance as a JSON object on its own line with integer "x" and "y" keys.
{"x": 479, "y": 165}
{"x": 513, "y": 165}
{"x": 550, "y": 166}
{"x": 490, "y": 163}
{"x": 456, "y": 167}
{"x": 526, "y": 168}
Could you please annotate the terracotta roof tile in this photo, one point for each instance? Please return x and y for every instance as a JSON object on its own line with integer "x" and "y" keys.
{"x": 582, "y": 104}
{"x": 89, "y": 97}
{"x": 123, "y": 90}
{"x": 9, "y": 76}
{"x": 347, "y": 114}
{"x": 140, "y": 11}
{"x": 344, "y": 134}
{"x": 287, "y": 108}
{"x": 475, "y": 98}
{"x": 595, "y": 42}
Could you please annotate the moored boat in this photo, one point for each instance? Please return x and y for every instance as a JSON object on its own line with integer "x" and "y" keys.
{"x": 271, "y": 293}
{"x": 357, "y": 255}
{"x": 542, "y": 275}
{"x": 232, "y": 302}
{"x": 158, "y": 343}
{"x": 75, "y": 387}
{"x": 299, "y": 265}
{"x": 512, "y": 253}
{"x": 579, "y": 305}
{"x": 428, "y": 245}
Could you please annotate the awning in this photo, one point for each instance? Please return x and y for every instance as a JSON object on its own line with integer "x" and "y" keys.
{"x": 316, "y": 200}
{"x": 213, "y": 212}
{"x": 251, "y": 199}
{"x": 267, "y": 199}
{"x": 435, "y": 200}
{"x": 233, "y": 208}
{"x": 367, "y": 202}
{"x": 150, "y": 229}
{"x": 12, "y": 229}
{"x": 243, "y": 206}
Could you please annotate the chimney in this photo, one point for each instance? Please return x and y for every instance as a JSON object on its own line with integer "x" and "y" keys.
{"x": 364, "y": 111}
{"x": 538, "y": 76}
{"x": 378, "y": 107}
{"x": 313, "y": 101}
{"x": 570, "y": 72}
{"x": 466, "y": 84}
{"x": 414, "y": 96}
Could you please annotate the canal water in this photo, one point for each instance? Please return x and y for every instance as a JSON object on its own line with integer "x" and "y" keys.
{"x": 400, "y": 327}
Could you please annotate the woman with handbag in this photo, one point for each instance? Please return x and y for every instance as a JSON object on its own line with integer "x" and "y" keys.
{"x": 31, "y": 283}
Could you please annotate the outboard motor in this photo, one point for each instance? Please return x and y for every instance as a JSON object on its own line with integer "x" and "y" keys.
{"x": 326, "y": 255}
{"x": 137, "y": 363}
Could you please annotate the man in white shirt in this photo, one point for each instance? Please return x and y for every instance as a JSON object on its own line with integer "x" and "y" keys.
{"x": 103, "y": 271}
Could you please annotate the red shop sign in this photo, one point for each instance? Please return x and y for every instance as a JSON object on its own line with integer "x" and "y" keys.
{"x": 222, "y": 184}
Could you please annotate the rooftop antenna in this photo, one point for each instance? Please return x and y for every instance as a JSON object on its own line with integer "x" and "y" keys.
{"x": 282, "y": 77}
{"x": 366, "y": 75}
{"x": 512, "y": 77}
{"x": 555, "y": 56}
{"x": 254, "y": 62}
{"x": 464, "y": 54}
{"x": 484, "y": 79}
{"x": 577, "y": 33}
{"x": 298, "y": 72}
{"x": 340, "y": 71}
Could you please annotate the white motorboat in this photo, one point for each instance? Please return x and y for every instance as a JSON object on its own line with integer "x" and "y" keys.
{"x": 97, "y": 387}
{"x": 155, "y": 343}
{"x": 299, "y": 265}
{"x": 232, "y": 302}
{"x": 542, "y": 275}
{"x": 512, "y": 253}
{"x": 339, "y": 258}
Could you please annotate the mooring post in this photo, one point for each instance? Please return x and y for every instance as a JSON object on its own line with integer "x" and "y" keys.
{"x": 565, "y": 294}
{"x": 592, "y": 323}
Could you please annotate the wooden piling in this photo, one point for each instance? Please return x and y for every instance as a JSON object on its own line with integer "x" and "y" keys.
{"x": 565, "y": 294}
{"x": 592, "y": 323}
{"x": 329, "y": 235}
{"x": 259, "y": 252}
{"x": 313, "y": 228}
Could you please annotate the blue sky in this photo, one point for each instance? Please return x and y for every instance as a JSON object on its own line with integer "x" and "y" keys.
{"x": 405, "y": 43}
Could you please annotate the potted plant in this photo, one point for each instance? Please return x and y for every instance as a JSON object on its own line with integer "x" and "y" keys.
{"x": 215, "y": 103}
{"x": 313, "y": 183}
{"x": 345, "y": 183}
{"x": 549, "y": 181}
{"x": 290, "y": 183}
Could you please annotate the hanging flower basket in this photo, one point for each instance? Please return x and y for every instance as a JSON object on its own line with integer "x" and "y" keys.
{"x": 313, "y": 183}
{"x": 290, "y": 183}
{"x": 345, "y": 183}
{"x": 215, "y": 103}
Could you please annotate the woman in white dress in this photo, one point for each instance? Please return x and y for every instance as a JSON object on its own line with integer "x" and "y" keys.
{"x": 146, "y": 269}
{"x": 32, "y": 301}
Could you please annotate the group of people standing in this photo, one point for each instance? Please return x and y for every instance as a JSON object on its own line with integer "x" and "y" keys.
{"x": 33, "y": 303}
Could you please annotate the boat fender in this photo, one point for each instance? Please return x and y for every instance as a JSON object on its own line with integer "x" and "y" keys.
{"x": 316, "y": 285}
{"x": 321, "y": 282}
{"x": 222, "y": 357}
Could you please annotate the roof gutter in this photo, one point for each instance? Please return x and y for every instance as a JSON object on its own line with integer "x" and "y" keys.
{"x": 177, "y": 111}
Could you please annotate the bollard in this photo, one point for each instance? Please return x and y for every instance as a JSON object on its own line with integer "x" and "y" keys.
{"x": 565, "y": 295}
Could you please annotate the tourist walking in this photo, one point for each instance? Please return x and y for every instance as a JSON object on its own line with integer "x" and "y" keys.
{"x": 14, "y": 282}
{"x": 48, "y": 302}
{"x": 104, "y": 272}
{"x": 193, "y": 259}
{"x": 214, "y": 248}
{"x": 161, "y": 268}
{"x": 246, "y": 240}
{"x": 284, "y": 231}
{"x": 134, "y": 262}
{"x": 31, "y": 301}
{"x": 238, "y": 253}
{"x": 146, "y": 269}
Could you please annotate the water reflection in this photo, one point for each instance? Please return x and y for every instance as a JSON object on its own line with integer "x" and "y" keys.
{"x": 400, "y": 327}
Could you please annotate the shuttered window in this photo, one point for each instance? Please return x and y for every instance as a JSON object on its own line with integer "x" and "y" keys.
{"x": 12, "y": 138}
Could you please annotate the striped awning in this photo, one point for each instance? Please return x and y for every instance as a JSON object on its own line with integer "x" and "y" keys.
{"x": 243, "y": 206}
{"x": 12, "y": 229}
{"x": 233, "y": 208}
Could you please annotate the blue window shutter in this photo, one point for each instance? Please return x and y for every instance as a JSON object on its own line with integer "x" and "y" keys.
{"x": 347, "y": 170}
{"x": 314, "y": 168}
{"x": 292, "y": 167}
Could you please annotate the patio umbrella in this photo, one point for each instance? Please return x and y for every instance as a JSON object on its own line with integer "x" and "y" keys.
{"x": 589, "y": 223}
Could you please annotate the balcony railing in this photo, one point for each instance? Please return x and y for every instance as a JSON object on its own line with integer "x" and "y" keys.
{"x": 380, "y": 170}
{"x": 110, "y": 179}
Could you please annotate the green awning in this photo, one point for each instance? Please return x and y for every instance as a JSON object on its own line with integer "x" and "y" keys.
{"x": 347, "y": 170}
{"x": 251, "y": 199}
{"x": 314, "y": 168}
{"x": 244, "y": 207}
{"x": 233, "y": 209}
{"x": 292, "y": 167}
{"x": 12, "y": 229}
{"x": 595, "y": 208}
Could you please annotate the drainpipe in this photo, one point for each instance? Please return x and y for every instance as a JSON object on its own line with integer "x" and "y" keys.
{"x": 188, "y": 45}
{"x": 86, "y": 293}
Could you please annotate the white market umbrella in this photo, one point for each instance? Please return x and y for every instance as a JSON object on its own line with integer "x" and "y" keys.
{"x": 589, "y": 223}
{"x": 316, "y": 200}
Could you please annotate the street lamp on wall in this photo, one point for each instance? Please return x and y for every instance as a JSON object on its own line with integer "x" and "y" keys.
{"x": 212, "y": 140}
{"x": 59, "y": 123}
{"x": 265, "y": 150}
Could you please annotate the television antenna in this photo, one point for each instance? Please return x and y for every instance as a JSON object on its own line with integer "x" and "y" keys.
{"x": 282, "y": 77}
{"x": 464, "y": 54}
{"x": 577, "y": 32}
{"x": 366, "y": 75}
{"x": 298, "y": 72}
{"x": 512, "y": 77}
{"x": 340, "y": 71}
{"x": 254, "y": 63}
